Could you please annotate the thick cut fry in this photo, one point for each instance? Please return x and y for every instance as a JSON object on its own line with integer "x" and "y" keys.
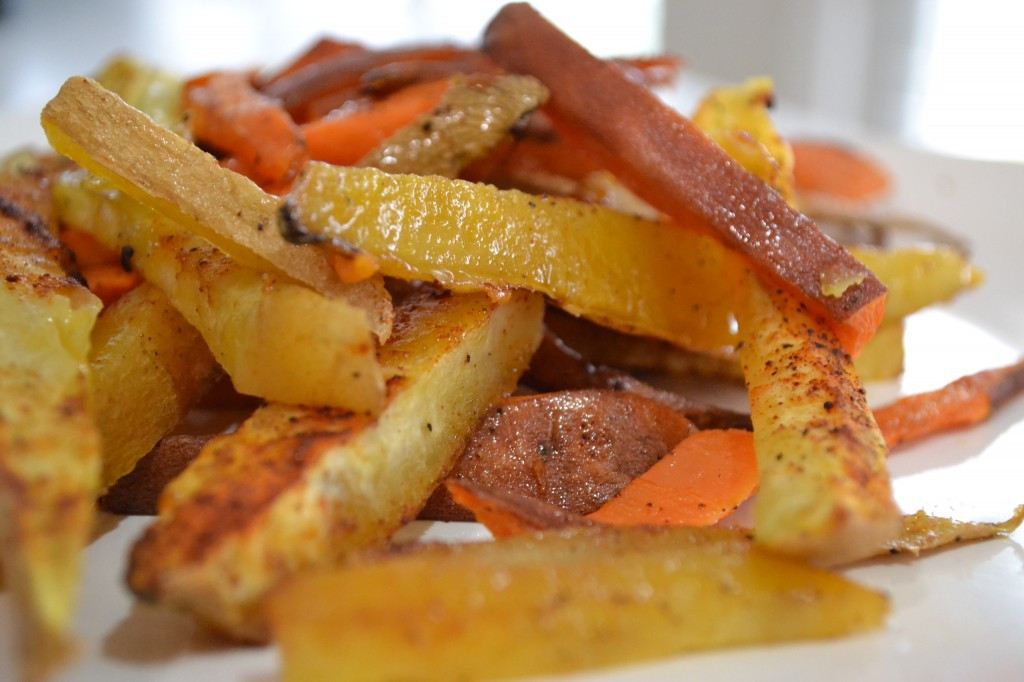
{"x": 824, "y": 489}
{"x": 700, "y": 482}
{"x": 667, "y": 161}
{"x": 299, "y": 487}
{"x": 275, "y": 339}
{"x": 473, "y": 116}
{"x": 148, "y": 366}
{"x": 49, "y": 446}
{"x": 575, "y": 449}
{"x": 174, "y": 177}
{"x": 968, "y": 400}
{"x": 557, "y": 602}
{"x": 586, "y": 258}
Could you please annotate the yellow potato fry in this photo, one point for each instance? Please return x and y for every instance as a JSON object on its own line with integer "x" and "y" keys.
{"x": 299, "y": 487}
{"x": 149, "y": 367}
{"x": 275, "y": 339}
{"x": 588, "y": 259}
{"x": 824, "y": 492}
{"x": 918, "y": 276}
{"x": 162, "y": 170}
{"x": 49, "y": 446}
{"x": 556, "y": 602}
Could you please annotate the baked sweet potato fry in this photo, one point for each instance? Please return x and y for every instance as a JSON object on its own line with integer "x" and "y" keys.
{"x": 667, "y": 161}
{"x": 968, "y": 400}
{"x": 575, "y": 449}
{"x": 226, "y": 113}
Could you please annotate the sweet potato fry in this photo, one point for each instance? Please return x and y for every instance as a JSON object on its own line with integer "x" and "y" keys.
{"x": 837, "y": 171}
{"x": 556, "y": 367}
{"x": 968, "y": 400}
{"x": 346, "y": 137}
{"x": 227, "y": 114}
{"x": 345, "y": 70}
{"x": 137, "y": 492}
{"x": 575, "y": 449}
{"x": 668, "y": 162}
{"x": 700, "y": 482}
{"x": 507, "y": 514}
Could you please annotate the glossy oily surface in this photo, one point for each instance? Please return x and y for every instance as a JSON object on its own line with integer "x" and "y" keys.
{"x": 956, "y": 614}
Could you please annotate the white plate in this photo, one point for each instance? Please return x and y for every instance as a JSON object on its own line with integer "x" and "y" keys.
{"x": 956, "y": 614}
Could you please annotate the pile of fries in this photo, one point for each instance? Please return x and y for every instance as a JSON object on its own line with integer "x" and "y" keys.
{"x": 427, "y": 278}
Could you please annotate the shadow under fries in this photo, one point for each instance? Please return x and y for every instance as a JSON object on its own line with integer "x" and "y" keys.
{"x": 154, "y": 634}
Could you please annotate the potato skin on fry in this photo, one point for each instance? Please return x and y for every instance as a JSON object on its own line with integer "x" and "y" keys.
{"x": 573, "y": 449}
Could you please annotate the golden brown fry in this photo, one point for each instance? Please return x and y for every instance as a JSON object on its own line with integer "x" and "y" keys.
{"x": 275, "y": 338}
{"x": 300, "y": 487}
{"x": 922, "y": 532}
{"x": 166, "y": 172}
{"x": 149, "y": 367}
{"x": 49, "y": 446}
{"x": 560, "y": 601}
{"x": 471, "y": 118}
{"x": 586, "y": 258}
{"x": 824, "y": 490}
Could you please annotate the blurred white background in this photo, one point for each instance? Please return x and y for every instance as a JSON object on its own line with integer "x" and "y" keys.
{"x": 942, "y": 74}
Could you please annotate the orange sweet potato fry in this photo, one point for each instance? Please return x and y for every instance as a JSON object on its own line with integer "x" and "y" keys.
{"x": 667, "y": 161}
{"x": 699, "y": 483}
{"x": 228, "y": 114}
{"x": 836, "y": 171}
{"x": 966, "y": 401}
{"x": 345, "y": 138}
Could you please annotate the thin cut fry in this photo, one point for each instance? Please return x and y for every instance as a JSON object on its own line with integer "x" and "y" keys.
{"x": 700, "y": 482}
{"x": 968, "y": 400}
